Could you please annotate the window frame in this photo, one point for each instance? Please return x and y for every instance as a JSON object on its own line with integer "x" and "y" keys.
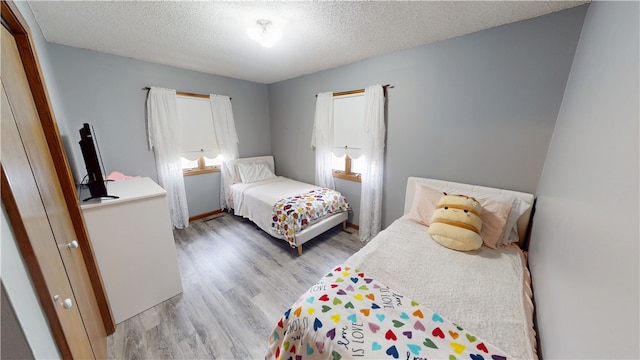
{"x": 201, "y": 169}
{"x": 347, "y": 174}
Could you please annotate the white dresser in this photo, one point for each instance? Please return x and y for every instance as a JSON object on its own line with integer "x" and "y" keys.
{"x": 133, "y": 243}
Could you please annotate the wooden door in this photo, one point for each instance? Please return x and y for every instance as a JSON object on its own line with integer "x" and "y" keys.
{"x": 38, "y": 213}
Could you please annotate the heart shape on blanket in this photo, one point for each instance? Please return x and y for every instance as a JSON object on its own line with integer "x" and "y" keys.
{"x": 324, "y": 297}
{"x": 408, "y": 334}
{"x": 415, "y": 349}
{"x": 429, "y": 343}
{"x": 373, "y": 327}
{"x": 325, "y": 308}
{"x": 437, "y": 317}
{"x": 418, "y": 313}
{"x": 457, "y": 348}
{"x": 331, "y": 334}
{"x": 392, "y": 351}
{"x": 418, "y": 326}
{"x": 375, "y": 346}
{"x": 437, "y": 332}
{"x": 471, "y": 338}
{"x": 348, "y": 305}
{"x": 482, "y": 347}
{"x": 453, "y": 334}
{"x": 335, "y": 318}
{"x": 390, "y": 335}
{"x": 341, "y": 292}
{"x": 317, "y": 324}
{"x": 364, "y": 312}
{"x": 397, "y": 323}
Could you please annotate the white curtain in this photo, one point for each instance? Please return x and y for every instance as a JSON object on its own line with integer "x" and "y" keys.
{"x": 373, "y": 152}
{"x": 225, "y": 130}
{"x": 322, "y": 139}
{"x": 164, "y": 139}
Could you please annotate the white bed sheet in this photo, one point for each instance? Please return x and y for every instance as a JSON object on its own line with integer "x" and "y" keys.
{"x": 255, "y": 201}
{"x": 481, "y": 291}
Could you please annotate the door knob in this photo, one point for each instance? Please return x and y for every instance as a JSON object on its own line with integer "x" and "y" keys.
{"x": 67, "y": 303}
{"x": 73, "y": 244}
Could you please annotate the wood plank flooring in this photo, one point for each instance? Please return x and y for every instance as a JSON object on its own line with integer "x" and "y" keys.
{"x": 237, "y": 282}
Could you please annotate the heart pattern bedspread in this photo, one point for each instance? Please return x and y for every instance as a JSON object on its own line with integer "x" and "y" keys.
{"x": 348, "y": 315}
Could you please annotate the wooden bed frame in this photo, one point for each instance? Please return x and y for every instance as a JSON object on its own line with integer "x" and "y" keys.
{"x": 309, "y": 232}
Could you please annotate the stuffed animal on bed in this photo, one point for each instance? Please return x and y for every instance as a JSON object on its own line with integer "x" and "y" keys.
{"x": 456, "y": 223}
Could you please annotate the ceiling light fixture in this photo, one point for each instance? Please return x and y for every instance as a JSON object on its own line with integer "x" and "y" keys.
{"x": 264, "y": 33}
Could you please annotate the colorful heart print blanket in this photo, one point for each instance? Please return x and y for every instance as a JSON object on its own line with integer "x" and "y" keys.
{"x": 348, "y": 315}
{"x": 292, "y": 214}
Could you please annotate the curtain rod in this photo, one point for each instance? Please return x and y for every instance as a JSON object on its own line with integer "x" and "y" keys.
{"x": 182, "y": 93}
{"x": 384, "y": 87}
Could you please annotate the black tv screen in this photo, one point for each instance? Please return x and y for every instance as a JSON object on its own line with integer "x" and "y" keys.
{"x": 95, "y": 181}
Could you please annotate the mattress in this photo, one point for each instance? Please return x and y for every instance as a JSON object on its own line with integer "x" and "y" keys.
{"x": 255, "y": 201}
{"x": 483, "y": 291}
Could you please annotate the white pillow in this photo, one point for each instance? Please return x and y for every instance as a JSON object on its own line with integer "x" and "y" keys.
{"x": 255, "y": 172}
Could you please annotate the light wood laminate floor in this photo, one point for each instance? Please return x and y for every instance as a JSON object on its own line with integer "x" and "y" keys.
{"x": 237, "y": 282}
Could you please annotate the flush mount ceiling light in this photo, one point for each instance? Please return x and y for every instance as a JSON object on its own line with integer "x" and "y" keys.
{"x": 264, "y": 33}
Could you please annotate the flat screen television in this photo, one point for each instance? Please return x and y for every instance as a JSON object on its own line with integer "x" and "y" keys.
{"x": 92, "y": 161}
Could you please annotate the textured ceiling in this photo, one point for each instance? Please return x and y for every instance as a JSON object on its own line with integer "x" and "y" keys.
{"x": 211, "y": 37}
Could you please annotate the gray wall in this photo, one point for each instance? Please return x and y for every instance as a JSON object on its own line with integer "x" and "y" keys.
{"x": 478, "y": 108}
{"x": 585, "y": 238}
{"x": 106, "y": 91}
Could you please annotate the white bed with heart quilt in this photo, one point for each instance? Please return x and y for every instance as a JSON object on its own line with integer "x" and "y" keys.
{"x": 406, "y": 296}
{"x": 284, "y": 208}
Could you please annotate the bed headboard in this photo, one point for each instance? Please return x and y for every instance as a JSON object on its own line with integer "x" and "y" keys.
{"x": 523, "y": 221}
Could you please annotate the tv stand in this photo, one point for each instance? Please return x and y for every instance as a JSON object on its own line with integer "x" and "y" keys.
{"x": 102, "y": 197}
{"x": 99, "y": 188}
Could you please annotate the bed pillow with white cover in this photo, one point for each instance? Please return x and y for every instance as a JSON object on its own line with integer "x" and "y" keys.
{"x": 254, "y": 172}
{"x": 494, "y": 215}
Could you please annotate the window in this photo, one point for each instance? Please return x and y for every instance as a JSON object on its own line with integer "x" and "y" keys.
{"x": 199, "y": 148}
{"x": 348, "y": 116}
